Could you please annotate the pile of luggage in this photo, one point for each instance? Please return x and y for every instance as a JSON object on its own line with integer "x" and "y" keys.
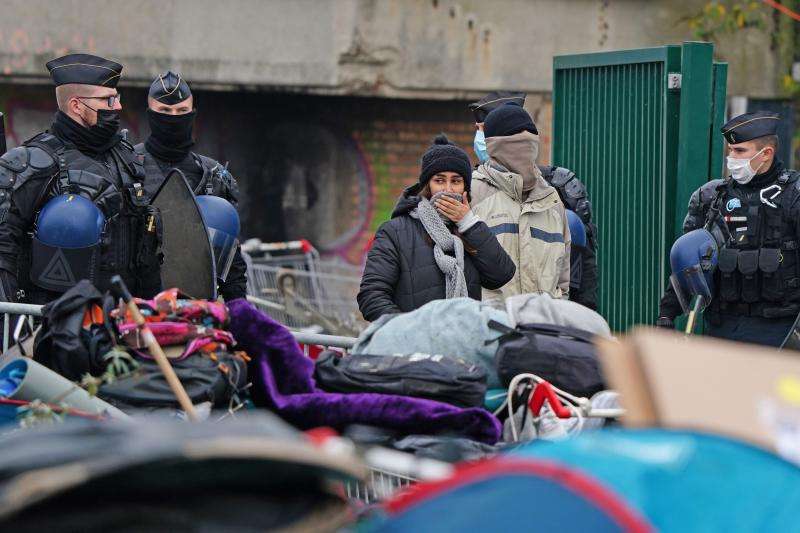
{"x": 469, "y": 354}
{"x": 472, "y": 401}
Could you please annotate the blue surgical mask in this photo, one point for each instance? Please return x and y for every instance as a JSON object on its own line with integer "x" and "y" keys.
{"x": 480, "y": 146}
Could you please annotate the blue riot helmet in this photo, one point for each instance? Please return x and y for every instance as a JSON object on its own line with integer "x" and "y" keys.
{"x": 576, "y": 229}
{"x": 66, "y": 242}
{"x": 578, "y": 232}
{"x": 693, "y": 260}
{"x": 222, "y": 222}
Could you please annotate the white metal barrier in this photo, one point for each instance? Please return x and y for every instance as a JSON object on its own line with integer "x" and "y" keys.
{"x": 12, "y": 312}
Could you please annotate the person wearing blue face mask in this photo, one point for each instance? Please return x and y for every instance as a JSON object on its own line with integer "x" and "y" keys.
{"x": 754, "y": 216}
{"x": 571, "y": 191}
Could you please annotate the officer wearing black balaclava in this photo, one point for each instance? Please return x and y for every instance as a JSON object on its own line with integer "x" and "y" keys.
{"x": 754, "y": 215}
{"x": 72, "y": 199}
{"x": 171, "y": 115}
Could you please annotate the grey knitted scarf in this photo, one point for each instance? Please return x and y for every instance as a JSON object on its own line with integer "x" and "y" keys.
{"x": 444, "y": 242}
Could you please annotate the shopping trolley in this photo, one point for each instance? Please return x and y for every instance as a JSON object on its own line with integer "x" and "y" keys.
{"x": 299, "y": 289}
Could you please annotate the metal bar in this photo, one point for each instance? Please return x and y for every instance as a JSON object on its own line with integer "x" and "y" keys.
{"x": 20, "y": 309}
{"x": 6, "y": 328}
{"x": 303, "y": 337}
{"x": 602, "y": 59}
{"x": 335, "y": 341}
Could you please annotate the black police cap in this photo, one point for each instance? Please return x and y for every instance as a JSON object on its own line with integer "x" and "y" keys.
{"x": 85, "y": 69}
{"x": 750, "y": 126}
{"x": 493, "y": 100}
{"x": 169, "y": 88}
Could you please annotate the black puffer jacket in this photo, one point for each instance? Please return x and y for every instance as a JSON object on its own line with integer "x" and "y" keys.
{"x": 401, "y": 273}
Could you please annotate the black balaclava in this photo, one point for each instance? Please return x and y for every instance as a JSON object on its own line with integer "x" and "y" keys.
{"x": 170, "y": 135}
{"x": 92, "y": 140}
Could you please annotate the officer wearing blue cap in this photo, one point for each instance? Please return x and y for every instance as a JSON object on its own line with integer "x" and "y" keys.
{"x": 171, "y": 116}
{"x": 571, "y": 191}
{"x": 754, "y": 215}
{"x": 72, "y": 201}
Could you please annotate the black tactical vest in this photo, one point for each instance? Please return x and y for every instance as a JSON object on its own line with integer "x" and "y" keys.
{"x": 759, "y": 270}
{"x": 115, "y": 184}
{"x": 205, "y": 175}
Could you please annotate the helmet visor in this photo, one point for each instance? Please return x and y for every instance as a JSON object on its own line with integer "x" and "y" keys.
{"x": 688, "y": 283}
{"x": 224, "y": 246}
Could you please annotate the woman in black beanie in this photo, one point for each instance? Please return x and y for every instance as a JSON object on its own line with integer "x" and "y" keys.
{"x": 434, "y": 246}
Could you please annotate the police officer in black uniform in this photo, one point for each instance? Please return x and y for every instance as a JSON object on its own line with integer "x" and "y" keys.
{"x": 82, "y": 154}
{"x": 573, "y": 194}
{"x": 754, "y": 216}
{"x": 171, "y": 115}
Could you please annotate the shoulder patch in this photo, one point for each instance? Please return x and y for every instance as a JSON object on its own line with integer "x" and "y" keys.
{"x": 733, "y": 203}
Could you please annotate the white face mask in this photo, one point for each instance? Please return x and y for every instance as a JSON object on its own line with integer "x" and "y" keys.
{"x": 740, "y": 169}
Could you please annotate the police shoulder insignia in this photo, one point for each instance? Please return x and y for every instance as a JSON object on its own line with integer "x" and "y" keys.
{"x": 733, "y": 203}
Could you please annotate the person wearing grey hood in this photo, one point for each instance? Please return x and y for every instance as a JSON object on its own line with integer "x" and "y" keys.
{"x": 521, "y": 208}
{"x": 434, "y": 247}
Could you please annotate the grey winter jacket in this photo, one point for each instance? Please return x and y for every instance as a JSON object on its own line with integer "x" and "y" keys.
{"x": 401, "y": 274}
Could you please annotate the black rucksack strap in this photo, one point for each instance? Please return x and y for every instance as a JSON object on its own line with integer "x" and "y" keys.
{"x": 502, "y": 328}
{"x": 552, "y": 330}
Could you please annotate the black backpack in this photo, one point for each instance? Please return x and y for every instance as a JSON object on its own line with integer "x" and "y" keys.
{"x": 205, "y": 380}
{"x": 436, "y": 377}
{"x": 564, "y": 356}
{"x": 75, "y": 333}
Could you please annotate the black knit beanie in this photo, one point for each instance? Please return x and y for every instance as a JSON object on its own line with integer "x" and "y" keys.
{"x": 508, "y": 119}
{"x": 444, "y": 156}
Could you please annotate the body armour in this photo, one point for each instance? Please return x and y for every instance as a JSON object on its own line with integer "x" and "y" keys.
{"x": 574, "y": 196}
{"x": 757, "y": 227}
{"x": 205, "y": 176}
{"x": 45, "y": 167}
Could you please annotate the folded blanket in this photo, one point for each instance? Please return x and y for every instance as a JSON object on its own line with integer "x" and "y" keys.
{"x": 283, "y": 382}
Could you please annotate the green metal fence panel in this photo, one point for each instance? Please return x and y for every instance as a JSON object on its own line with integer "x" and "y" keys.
{"x": 717, "y": 140}
{"x": 618, "y": 124}
{"x": 694, "y": 130}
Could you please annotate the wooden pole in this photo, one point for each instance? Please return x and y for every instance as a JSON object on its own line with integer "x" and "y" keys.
{"x": 155, "y": 350}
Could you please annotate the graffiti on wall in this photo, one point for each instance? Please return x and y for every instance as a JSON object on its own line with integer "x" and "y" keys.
{"x": 23, "y": 47}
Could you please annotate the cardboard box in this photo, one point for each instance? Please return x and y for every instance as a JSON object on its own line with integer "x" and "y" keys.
{"x": 744, "y": 391}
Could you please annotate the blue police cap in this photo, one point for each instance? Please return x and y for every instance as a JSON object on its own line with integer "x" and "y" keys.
{"x": 750, "y": 126}
{"x": 169, "y": 88}
{"x": 85, "y": 69}
{"x": 493, "y": 100}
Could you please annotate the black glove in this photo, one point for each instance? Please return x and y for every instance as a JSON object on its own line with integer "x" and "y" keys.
{"x": 665, "y": 322}
{"x": 8, "y": 287}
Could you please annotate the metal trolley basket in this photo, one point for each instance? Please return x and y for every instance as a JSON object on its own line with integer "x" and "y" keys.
{"x": 299, "y": 289}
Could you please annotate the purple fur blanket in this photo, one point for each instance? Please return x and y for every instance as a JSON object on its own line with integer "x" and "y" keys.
{"x": 283, "y": 382}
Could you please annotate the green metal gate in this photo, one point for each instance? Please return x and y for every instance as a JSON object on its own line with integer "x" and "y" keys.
{"x": 641, "y": 129}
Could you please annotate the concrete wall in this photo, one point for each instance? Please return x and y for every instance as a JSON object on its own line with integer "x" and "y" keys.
{"x": 425, "y": 49}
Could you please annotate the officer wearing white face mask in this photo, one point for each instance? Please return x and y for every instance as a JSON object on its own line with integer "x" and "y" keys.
{"x": 754, "y": 216}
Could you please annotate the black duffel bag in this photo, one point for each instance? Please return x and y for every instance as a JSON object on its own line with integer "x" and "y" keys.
{"x": 564, "y": 356}
{"x": 203, "y": 379}
{"x": 436, "y": 377}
